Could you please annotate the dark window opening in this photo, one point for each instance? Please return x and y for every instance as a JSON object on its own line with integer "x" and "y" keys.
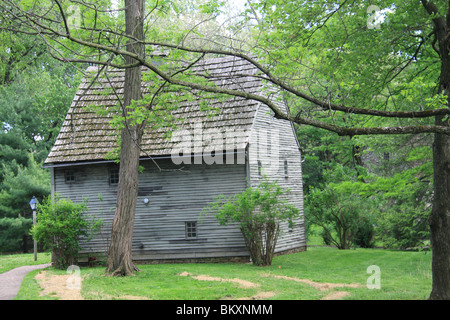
{"x": 114, "y": 176}
{"x": 285, "y": 169}
{"x": 191, "y": 230}
{"x": 69, "y": 176}
{"x": 259, "y": 168}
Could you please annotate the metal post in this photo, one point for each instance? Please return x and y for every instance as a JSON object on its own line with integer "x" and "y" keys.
{"x": 34, "y": 239}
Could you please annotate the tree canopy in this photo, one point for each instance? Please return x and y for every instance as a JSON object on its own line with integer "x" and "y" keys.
{"x": 348, "y": 67}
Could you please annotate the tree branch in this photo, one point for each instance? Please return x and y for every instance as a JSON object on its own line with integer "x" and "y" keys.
{"x": 324, "y": 105}
{"x": 63, "y": 17}
{"x": 140, "y": 60}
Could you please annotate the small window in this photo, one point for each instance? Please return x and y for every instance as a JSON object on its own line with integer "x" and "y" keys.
{"x": 259, "y": 168}
{"x": 113, "y": 175}
{"x": 69, "y": 176}
{"x": 285, "y": 169}
{"x": 191, "y": 230}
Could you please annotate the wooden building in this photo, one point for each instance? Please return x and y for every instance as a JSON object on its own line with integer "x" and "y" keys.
{"x": 209, "y": 153}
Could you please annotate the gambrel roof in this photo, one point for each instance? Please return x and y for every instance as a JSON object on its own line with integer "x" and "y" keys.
{"x": 88, "y": 136}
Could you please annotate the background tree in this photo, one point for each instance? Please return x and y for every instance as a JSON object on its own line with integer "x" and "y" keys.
{"x": 388, "y": 60}
{"x": 35, "y": 92}
{"x": 342, "y": 216}
{"x": 19, "y": 185}
{"x": 393, "y": 174}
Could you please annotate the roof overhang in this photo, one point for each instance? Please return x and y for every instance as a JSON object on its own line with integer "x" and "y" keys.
{"x": 153, "y": 158}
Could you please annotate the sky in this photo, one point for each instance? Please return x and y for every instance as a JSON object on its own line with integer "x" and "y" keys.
{"x": 237, "y": 5}
{"x": 237, "y": 2}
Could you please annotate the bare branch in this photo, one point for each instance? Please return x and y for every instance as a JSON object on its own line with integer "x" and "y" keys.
{"x": 63, "y": 17}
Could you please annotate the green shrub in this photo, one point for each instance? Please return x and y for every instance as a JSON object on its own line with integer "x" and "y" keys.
{"x": 326, "y": 237}
{"x": 365, "y": 233}
{"x": 341, "y": 216}
{"x": 60, "y": 226}
{"x": 404, "y": 227}
{"x": 259, "y": 212}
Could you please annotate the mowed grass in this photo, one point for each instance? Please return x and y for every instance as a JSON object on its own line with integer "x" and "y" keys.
{"x": 403, "y": 276}
{"x": 11, "y": 261}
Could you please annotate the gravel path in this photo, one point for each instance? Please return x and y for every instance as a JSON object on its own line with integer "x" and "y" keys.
{"x": 11, "y": 280}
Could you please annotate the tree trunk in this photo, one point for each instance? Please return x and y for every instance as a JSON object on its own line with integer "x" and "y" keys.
{"x": 119, "y": 261}
{"x": 25, "y": 243}
{"x": 440, "y": 214}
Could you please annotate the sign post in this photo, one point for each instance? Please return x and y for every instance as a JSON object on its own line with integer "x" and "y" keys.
{"x": 33, "y": 205}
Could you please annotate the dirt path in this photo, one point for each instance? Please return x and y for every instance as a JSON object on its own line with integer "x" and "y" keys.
{"x": 57, "y": 285}
{"x": 323, "y": 286}
{"x": 62, "y": 287}
{"x": 334, "y": 295}
{"x": 318, "y": 285}
{"x": 242, "y": 283}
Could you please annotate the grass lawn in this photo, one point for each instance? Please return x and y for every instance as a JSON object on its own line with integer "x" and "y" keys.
{"x": 403, "y": 275}
{"x": 11, "y": 261}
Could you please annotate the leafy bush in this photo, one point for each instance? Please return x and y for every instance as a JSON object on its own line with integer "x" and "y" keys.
{"x": 326, "y": 237}
{"x": 259, "y": 212}
{"x": 365, "y": 233}
{"x": 60, "y": 225}
{"x": 404, "y": 226}
{"x": 341, "y": 216}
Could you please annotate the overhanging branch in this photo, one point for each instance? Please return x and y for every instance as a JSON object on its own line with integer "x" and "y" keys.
{"x": 43, "y": 30}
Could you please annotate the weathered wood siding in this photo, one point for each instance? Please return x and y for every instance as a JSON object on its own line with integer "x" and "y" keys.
{"x": 273, "y": 142}
{"x": 175, "y": 197}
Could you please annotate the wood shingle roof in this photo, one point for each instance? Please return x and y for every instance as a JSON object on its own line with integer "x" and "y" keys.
{"x": 88, "y": 136}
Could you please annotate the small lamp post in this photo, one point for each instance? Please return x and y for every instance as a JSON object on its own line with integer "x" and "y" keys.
{"x": 33, "y": 205}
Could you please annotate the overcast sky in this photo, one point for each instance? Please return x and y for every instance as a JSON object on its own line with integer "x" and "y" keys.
{"x": 238, "y": 2}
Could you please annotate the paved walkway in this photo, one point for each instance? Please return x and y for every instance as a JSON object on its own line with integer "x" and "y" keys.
{"x": 11, "y": 280}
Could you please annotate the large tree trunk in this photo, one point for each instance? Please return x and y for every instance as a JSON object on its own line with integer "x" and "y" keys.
{"x": 440, "y": 214}
{"x": 119, "y": 260}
